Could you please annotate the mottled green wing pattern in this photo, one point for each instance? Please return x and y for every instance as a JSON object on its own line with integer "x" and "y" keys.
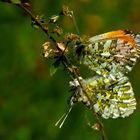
{"x": 112, "y": 98}
{"x": 111, "y": 56}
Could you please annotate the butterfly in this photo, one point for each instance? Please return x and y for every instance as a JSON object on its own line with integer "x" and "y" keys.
{"x": 110, "y": 56}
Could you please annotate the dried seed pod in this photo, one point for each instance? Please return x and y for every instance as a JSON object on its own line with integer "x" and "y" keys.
{"x": 47, "y": 49}
{"x": 54, "y": 18}
{"x": 72, "y": 37}
{"x": 58, "y": 30}
{"x": 66, "y": 11}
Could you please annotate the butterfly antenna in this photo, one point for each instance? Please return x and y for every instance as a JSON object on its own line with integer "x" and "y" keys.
{"x": 61, "y": 121}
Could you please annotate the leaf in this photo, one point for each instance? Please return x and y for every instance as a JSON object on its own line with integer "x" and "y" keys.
{"x": 54, "y": 67}
{"x": 16, "y": 1}
{"x": 53, "y": 70}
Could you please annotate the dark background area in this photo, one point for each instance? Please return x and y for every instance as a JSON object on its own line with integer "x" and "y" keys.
{"x": 31, "y": 101}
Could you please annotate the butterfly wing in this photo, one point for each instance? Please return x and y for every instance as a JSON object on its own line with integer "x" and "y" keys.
{"x": 111, "y": 56}
{"x": 109, "y": 98}
{"x": 114, "y": 98}
{"x": 112, "y": 52}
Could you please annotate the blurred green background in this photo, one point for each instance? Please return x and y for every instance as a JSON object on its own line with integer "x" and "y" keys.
{"x": 31, "y": 101}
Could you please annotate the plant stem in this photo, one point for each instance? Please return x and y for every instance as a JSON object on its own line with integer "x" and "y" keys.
{"x": 66, "y": 64}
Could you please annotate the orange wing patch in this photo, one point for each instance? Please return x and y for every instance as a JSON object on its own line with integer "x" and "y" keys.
{"x": 123, "y": 35}
{"x": 113, "y": 52}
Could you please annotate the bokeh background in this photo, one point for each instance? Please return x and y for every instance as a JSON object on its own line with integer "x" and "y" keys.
{"x": 31, "y": 101}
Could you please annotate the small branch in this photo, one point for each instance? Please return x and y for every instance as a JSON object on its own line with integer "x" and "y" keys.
{"x": 38, "y": 23}
{"x": 66, "y": 64}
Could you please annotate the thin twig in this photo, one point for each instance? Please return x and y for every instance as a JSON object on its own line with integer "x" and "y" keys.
{"x": 66, "y": 64}
{"x": 101, "y": 127}
{"x": 38, "y": 23}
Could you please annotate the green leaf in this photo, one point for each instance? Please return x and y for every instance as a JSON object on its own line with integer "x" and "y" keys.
{"x": 16, "y": 1}
{"x": 54, "y": 67}
{"x": 53, "y": 70}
